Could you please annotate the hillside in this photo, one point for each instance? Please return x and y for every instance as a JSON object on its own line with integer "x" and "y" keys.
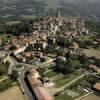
{"x": 49, "y": 7}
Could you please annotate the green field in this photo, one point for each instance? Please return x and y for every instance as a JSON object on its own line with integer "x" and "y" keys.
{"x": 86, "y": 37}
{"x": 60, "y": 79}
{"x": 64, "y": 80}
{"x": 63, "y": 97}
{"x": 50, "y": 74}
{"x": 6, "y": 84}
{"x": 5, "y": 37}
{"x": 3, "y": 68}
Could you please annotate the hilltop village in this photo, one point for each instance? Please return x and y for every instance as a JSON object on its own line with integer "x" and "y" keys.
{"x": 56, "y": 61}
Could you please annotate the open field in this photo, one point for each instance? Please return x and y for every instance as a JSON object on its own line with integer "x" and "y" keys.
{"x": 91, "y": 97}
{"x": 5, "y": 37}
{"x": 92, "y": 52}
{"x": 13, "y": 93}
{"x": 50, "y": 74}
{"x": 64, "y": 80}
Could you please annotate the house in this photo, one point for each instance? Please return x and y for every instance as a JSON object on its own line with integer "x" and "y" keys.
{"x": 37, "y": 87}
{"x": 43, "y": 36}
{"x": 28, "y": 54}
{"x": 34, "y": 72}
{"x": 20, "y": 50}
{"x": 42, "y": 94}
{"x": 95, "y": 68}
{"x": 97, "y": 86}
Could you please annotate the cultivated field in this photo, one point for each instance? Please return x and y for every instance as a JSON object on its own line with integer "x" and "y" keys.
{"x": 92, "y": 52}
{"x": 13, "y": 93}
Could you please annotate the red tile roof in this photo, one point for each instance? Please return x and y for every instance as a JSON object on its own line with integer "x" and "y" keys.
{"x": 42, "y": 94}
{"x": 97, "y": 86}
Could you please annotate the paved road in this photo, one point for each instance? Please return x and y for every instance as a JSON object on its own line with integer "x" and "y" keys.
{"x": 24, "y": 86}
{"x": 13, "y": 63}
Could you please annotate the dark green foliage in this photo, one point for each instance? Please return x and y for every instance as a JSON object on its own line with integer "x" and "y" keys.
{"x": 14, "y": 75}
{"x": 93, "y": 26}
{"x": 3, "y": 69}
{"x": 5, "y": 84}
{"x": 16, "y": 29}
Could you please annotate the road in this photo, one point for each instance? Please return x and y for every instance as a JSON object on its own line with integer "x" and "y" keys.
{"x": 14, "y": 63}
{"x": 24, "y": 86}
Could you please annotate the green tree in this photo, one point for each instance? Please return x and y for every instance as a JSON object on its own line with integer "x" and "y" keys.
{"x": 14, "y": 75}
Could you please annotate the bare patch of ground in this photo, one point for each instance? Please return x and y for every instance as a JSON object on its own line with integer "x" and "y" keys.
{"x": 13, "y": 93}
{"x": 92, "y": 52}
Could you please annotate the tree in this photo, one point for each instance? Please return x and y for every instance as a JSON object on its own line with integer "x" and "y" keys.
{"x": 14, "y": 75}
{"x": 97, "y": 62}
{"x": 63, "y": 67}
{"x": 84, "y": 60}
{"x": 13, "y": 47}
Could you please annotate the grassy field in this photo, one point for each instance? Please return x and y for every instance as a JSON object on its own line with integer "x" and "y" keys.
{"x": 92, "y": 52}
{"x": 1, "y": 77}
{"x": 64, "y": 80}
{"x": 86, "y": 37}
{"x": 63, "y": 97}
{"x": 13, "y": 93}
{"x": 5, "y": 37}
{"x": 91, "y": 97}
{"x": 50, "y": 74}
{"x": 6, "y": 84}
{"x": 3, "y": 68}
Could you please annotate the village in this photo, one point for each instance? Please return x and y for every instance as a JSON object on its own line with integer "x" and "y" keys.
{"x": 51, "y": 62}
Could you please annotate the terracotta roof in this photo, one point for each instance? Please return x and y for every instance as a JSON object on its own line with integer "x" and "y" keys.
{"x": 33, "y": 70}
{"x": 94, "y": 67}
{"x": 37, "y": 87}
{"x": 34, "y": 82}
{"x": 42, "y": 94}
{"x": 97, "y": 86}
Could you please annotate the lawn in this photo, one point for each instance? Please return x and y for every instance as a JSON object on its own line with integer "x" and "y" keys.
{"x": 3, "y": 69}
{"x": 91, "y": 97}
{"x": 65, "y": 80}
{"x": 5, "y": 84}
{"x": 5, "y": 37}
{"x": 86, "y": 37}
{"x": 1, "y": 77}
{"x": 63, "y": 97}
{"x": 50, "y": 74}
